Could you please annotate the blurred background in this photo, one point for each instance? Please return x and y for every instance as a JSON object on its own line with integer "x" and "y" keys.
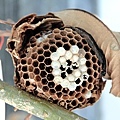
{"x": 108, "y": 107}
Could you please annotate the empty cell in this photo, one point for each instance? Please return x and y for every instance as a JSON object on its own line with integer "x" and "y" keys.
{"x": 87, "y": 56}
{"x": 51, "y": 41}
{"x": 51, "y": 84}
{"x": 86, "y": 48}
{"x": 90, "y": 71}
{"x": 53, "y": 48}
{"x": 59, "y": 44}
{"x": 25, "y": 75}
{"x": 56, "y": 30}
{"x": 72, "y": 93}
{"x": 59, "y": 94}
{"x": 34, "y": 55}
{"x": 40, "y": 58}
{"x": 92, "y": 52}
{"x": 77, "y": 81}
{"x": 69, "y": 71}
{"x": 84, "y": 41}
{"x": 72, "y": 41}
{"x": 36, "y": 71}
{"x": 70, "y": 35}
{"x": 23, "y": 61}
{"x": 84, "y": 84}
{"x": 31, "y": 68}
{"x": 79, "y": 44}
{"x": 63, "y": 75}
{"x": 40, "y": 51}
{"x": 35, "y": 63}
{"x": 24, "y": 68}
{"x": 27, "y": 83}
{"x": 84, "y": 76}
{"x": 43, "y": 74}
{"x": 45, "y": 46}
{"x": 50, "y": 77}
{"x": 94, "y": 59}
{"x": 42, "y": 66}
{"x": 44, "y": 81}
{"x": 74, "y": 103}
{"x": 58, "y": 88}
{"x": 37, "y": 78}
{"x": 90, "y": 86}
{"x": 77, "y": 37}
{"x": 65, "y": 39}
{"x": 45, "y": 88}
{"x": 57, "y": 36}
{"x": 74, "y": 49}
{"x": 49, "y": 69}
{"x": 88, "y": 63}
{"x": 29, "y": 61}
{"x": 52, "y": 91}
{"x": 47, "y": 61}
{"x": 63, "y": 33}
{"x": 46, "y": 53}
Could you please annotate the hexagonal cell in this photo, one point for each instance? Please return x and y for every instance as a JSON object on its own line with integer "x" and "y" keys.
{"x": 77, "y": 37}
{"x": 50, "y": 77}
{"x": 56, "y": 30}
{"x": 44, "y": 81}
{"x": 90, "y": 71}
{"x": 65, "y": 39}
{"x": 51, "y": 84}
{"x": 52, "y": 41}
{"x": 84, "y": 84}
{"x": 88, "y": 63}
{"x": 45, "y": 88}
{"x": 70, "y": 35}
{"x": 30, "y": 68}
{"x": 87, "y": 56}
{"x": 66, "y": 46}
{"x": 43, "y": 74}
{"x": 79, "y": 45}
{"x": 59, "y": 94}
{"x": 40, "y": 58}
{"x": 53, "y": 48}
{"x": 47, "y": 53}
{"x": 72, "y": 41}
{"x": 29, "y": 61}
{"x": 40, "y": 50}
{"x": 86, "y": 48}
{"x": 34, "y": 55}
{"x": 31, "y": 75}
{"x": 37, "y": 78}
{"x": 94, "y": 59}
{"x": 45, "y": 46}
{"x": 63, "y": 33}
{"x": 24, "y": 68}
{"x": 57, "y": 36}
{"x": 42, "y": 66}
{"x": 84, "y": 41}
{"x": 25, "y": 75}
{"x": 48, "y": 61}
{"x": 35, "y": 63}
{"x": 36, "y": 71}
{"x": 74, "y": 103}
{"x": 58, "y": 88}
{"x": 59, "y": 43}
{"x": 23, "y": 61}
{"x": 52, "y": 91}
{"x": 90, "y": 79}
{"x": 81, "y": 99}
{"x": 49, "y": 69}
{"x": 90, "y": 86}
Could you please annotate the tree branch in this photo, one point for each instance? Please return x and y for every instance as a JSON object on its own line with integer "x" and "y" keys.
{"x": 33, "y": 105}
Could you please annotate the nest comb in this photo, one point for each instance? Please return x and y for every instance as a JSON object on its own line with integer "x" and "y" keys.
{"x": 57, "y": 60}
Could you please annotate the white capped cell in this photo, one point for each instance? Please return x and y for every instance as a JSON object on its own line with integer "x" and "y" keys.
{"x": 77, "y": 73}
{"x": 84, "y": 76}
{"x": 55, "y": 64}
{"x": 62, "y": 60}
{"x": 61, "y": 51}
{"x": 56, "y": 72}
{"x": 82, "y": 61}
{"x": 75, "y": 58}
{"x": 83, "y": 68}
{"x": 68, "y": 55}
{"x": 58, "y": 79}
{"x": 88, "y": 94}
{"x": 65, "y": 83}
{"x": 72, "y": 86}
{"x": 71, "y": 77}
{"x": 81, "y": 53}
{"x": 54, "y": 56}
{"x": 74, "y": 49}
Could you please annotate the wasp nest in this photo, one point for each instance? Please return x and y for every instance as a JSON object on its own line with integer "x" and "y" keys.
{"x": 62, "y": 64}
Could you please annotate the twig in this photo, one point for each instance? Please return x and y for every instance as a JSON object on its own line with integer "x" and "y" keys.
{"x": 33, "y": 105}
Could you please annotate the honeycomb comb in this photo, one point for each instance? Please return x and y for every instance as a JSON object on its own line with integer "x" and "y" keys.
{"x": 59, "y": 62}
